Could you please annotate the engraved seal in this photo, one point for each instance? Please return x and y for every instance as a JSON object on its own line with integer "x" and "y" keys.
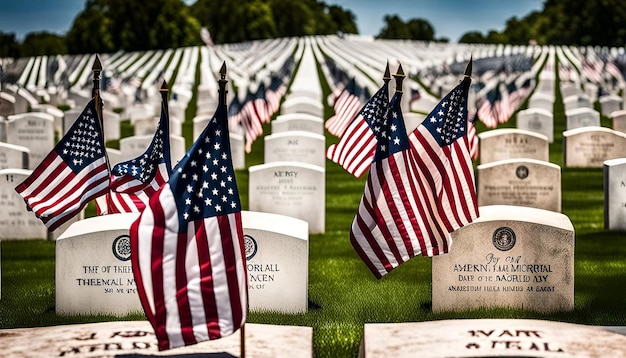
{"x": 250, "y": 246}
{"x": 121, "y": 247}
{"x": 504, "y": 238}
{"x": 522, "y": 172}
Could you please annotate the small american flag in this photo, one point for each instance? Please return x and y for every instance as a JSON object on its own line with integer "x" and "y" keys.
{"x": 419, "y": 188}
{"x": 72, "y": 174}
{"x": 355, "y": 150}
{"x": 133, "y": 182}
{"x": 187, "y": 246}
{"x": 346, "y": 106}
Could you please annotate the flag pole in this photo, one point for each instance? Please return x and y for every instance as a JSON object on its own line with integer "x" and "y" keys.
{"x": 387, "y": 75}
{"x": 164, "y": 95}
{"x": 222, "y": 103}
{"x": 95, "y": 92}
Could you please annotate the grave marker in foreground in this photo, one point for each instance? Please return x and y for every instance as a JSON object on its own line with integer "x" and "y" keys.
{"x": 490, "y": 338}
{"x": 615, "y": 194}
{"x": 511, "y": 256}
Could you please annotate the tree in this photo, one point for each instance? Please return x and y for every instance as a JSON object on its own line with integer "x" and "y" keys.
{"x": 394, "y": 28}
{"x": 420, "y": 29}
{"x": 9, "y": 47}
{"x": 90, "y": 32}
{"x": 472, "y": 37}
{"x": 43, "y": 43}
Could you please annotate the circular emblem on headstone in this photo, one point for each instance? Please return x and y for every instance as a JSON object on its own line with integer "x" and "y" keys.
{"x": 250, "y": 246}
{"x": 121, "y": 247}
{"x": 504, "y": 238}
{"x": 522, "y": 172}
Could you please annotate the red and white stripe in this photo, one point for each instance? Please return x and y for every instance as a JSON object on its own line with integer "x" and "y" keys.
{"x": 355, "y": 149}
{"x": 191, "y": 281}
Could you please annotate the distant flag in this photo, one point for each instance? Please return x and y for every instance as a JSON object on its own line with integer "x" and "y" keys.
{"x": 187, "y": 245}
{"x": 133, "y": 182}
{"x": 414, "y": 193}
{"x": 472, "y": 137}
{"x": 72, "y": 174}
{"x": 206, "y": 37}
{"x": 346, "y": 106}
{"x": 355, "y": 150}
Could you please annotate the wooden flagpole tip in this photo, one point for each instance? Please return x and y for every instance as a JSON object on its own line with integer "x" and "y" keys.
{"x": 223, "y": 71}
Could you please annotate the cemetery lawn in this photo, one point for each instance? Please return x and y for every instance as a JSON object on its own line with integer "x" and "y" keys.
{"x": 343, "y": 294}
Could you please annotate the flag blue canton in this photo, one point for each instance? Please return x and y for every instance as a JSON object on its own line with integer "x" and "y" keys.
{"x": 376, "y": 107}
{"x": 83, "y": 143}
{"x": 448, "y": 121}
{"x": 391, "y": 132}
{"x": 144, "y": 167}
{"x": 204, "y": 181}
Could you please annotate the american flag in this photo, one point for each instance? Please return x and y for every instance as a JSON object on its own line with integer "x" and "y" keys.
{"x": 187, "y": 246}
{"x": 134, "y": 181}
{"x": 415, "y": 186}
{"x": 356, "y": 148}
{"x": 346, "y": 106}
{"x": 72, "y": 174}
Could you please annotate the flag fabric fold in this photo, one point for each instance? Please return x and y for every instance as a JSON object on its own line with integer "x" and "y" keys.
{"x": 187, "y": 246}
{"x": 346, "y": 106}
{"x": 71, "y": 175}
{"x": 419, "y": 188}
{"x": 355, "y": 149}
{"x": 133, "y": 182}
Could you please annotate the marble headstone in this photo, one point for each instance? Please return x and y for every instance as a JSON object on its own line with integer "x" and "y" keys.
{"x": 511, "y": 256}
{"x": 615, "y": 194}
{"x": 590, "y": 146}
{"x": 302, "y": 104}
{"x": 290, "y": 188}
{"x": 298, "y": 122}
{"x": 536, "y": 120}
{"x": 277, "y": 258}
{"x": 13, "y": 156}
{"x": 34, "y": 131}
{"x": 297, "y": 146}
{"x": 490, "y": 338}
{"x": 93, "y": 269}
{"x": 521, "y": 182}
{"x": 581, "y": 117}
{"x": 511, "y": 143}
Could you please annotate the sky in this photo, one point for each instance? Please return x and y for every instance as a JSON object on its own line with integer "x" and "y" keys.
{"x": 450, "y": 18}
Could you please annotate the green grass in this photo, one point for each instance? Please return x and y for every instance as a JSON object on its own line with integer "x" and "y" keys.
{"x": 343, "y": 294}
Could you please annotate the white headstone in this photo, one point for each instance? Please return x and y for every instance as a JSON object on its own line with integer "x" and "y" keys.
{"x": 302, "y": 104}
{"x": 511, "y": 256}
{"x": 137, "y": 339}
{"x": 581, "y": 117}
{"x": 610, "y": 103}
{"x": 7, "y": 104}
{"x": 542, "y": 100}
{"x": 277, "y": 257}
{"x": 522, "y": 182}
{"x": 537, "y": 120}
{"x": 591, "y": 146}
{"x": 297, "y": 146}
{"x": 13, "y": 156}
{"x": 56, "y": 113}
{"x": 512, "y": 143}
{"x": 289, "y": 188}
{"x": 615, "y": 194}
{"x": 34, "y": 131}
{"x": 111, "y": 127}
{"x": 145, "y": 126}
{"x": 576, "y": 101}
{"x": 298, "y": 122}
{"x": 618, "y": 118}
{"x": 489, "y": 338}
{"x": 69, "y": 117}
{"x": 93, "y": 269}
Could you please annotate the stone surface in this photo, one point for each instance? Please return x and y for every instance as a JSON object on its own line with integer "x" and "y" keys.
{"x": 537, "y": 120}
{"x": 511, "y": 256}
{"x": 298, "y": 122}
{"x": 589, "y": 147}
{"x": 511, "y": 143}
{"x": 618, "y": 119}
{"x": 521, "y": 182}
{"x": 137, "y": 339}
{"x": 34, "y": 131}
{"x": 615, "y": 194}
{"x": 582, "y": 117}
{"x": 490, "y": 338}
{"x": 277, "y": 257}
{"x": 13, "y": 156}
{"x": 290, "y": 188}
{"x": 296, "y": 146}
{"x": 93, "y": 270}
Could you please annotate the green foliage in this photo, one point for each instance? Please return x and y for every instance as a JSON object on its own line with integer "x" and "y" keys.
{"x": 414, "y": 29}
{"x": 43, "y": 43}
{"x": 9, "y": 47}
